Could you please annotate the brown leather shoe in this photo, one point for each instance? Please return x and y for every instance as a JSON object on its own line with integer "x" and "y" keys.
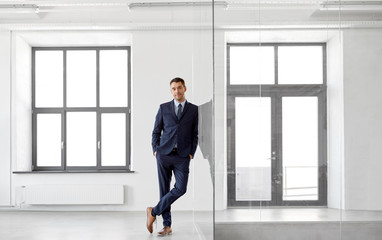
{"x": 165, "y": 231}
{"x": 150, "y": 219}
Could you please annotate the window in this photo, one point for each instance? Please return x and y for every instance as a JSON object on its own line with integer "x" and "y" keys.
{"x": 81, "y": 108}
{"x": 276, "y": 124}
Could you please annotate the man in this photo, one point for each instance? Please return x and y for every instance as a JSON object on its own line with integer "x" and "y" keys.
{"x": 174, "y": 142}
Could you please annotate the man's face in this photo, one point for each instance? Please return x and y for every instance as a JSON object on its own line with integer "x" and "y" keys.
{"x": 178, "y": 90}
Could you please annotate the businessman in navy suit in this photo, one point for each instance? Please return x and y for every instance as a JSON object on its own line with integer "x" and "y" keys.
{"x": 174, "y": 142}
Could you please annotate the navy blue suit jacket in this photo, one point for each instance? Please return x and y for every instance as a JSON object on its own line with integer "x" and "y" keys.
{"x": 168, "y": 129}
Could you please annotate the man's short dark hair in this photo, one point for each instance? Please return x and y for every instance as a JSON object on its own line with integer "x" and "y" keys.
{"x": 178, "y": 79}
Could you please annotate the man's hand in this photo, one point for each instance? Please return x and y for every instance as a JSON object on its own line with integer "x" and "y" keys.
{"x": 155, "y": 154}
{"x": 190, "y": 156}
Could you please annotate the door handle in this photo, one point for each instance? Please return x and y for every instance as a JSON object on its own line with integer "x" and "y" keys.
{"x": 277, "y": 179}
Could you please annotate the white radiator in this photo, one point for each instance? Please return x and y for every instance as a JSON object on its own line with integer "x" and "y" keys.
{"x": 73, "y": 194}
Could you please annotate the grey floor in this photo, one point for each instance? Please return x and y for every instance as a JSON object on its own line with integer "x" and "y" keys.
{"x": 298, "y": 224}
{"x": 230, "y": 224}
{"x": 296, "y": 215}
{"x": 29, "y": 225}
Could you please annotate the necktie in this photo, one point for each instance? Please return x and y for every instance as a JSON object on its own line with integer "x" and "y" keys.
{"x": 179, "y": 111}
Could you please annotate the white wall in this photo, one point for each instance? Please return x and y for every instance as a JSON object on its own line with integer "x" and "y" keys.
{"x": 5, "y": 118}
{"x": 21, "y": 104}
{"x": 354, "y": 114}
{"x": 362, "y": 61}
{"x": 157, "y": 57}
{"x": 335, "y": 121}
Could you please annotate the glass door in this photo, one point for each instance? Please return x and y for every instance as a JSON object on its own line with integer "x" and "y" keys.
{"x": 277, "y": 130}
{"x": 300, "y": 148}
{"x": 275, "y": 149}
{"x": 253, "y": 149}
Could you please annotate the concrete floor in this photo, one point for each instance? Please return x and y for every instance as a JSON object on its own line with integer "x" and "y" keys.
{"x": 298, "y": 224}
{"x": 296, "y": 215}
{"x": 28, "y": 225}
{"x": 294, "y": 223}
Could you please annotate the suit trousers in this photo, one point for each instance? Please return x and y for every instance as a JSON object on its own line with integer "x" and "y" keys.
{"x": 168, "y": 164}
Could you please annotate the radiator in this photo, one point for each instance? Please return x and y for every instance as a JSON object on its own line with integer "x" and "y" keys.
{"x": 73, "y": 194}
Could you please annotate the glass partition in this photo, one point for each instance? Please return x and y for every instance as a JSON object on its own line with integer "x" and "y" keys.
{"x": 278, "y": 120}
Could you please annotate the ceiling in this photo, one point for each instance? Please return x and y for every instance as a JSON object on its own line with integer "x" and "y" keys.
{"x": 159, "y": 14}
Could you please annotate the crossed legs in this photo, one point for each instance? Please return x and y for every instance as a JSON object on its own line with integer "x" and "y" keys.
{"x": 166, "y": 165}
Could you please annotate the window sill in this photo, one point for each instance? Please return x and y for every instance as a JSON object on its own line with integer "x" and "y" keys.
{"x": 74, "y": 171}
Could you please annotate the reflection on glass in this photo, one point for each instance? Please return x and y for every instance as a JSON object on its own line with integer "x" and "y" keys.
{"x": 81, "y": 78}
{"x": 300, "y": 65}
{"x": 300, "y": 148}
{"x": 252, "y": 65}
{"x": 113, "y": 139}
{"x": 113, "y": 78}
{"x": 253, "y": 148}
{"x": 48, "y": 140}
{"x": 49, "y": 78}
{"x": 81, "y": 139}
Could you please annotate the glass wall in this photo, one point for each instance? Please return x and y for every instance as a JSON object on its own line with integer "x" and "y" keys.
{"x": 296, "y": 112}
{"x": 280, "y": 101}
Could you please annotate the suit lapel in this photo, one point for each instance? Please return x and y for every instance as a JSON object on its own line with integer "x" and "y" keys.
{"x": 172, "y": 107}
{"x": 186, "y": 105}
